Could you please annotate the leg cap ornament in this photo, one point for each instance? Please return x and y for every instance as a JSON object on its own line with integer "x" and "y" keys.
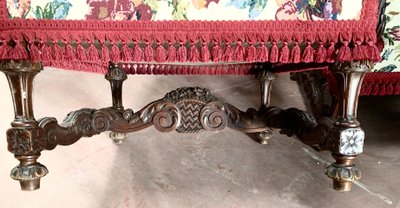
{"x": 342, "y": 176}
{"x": 29, "y": 176}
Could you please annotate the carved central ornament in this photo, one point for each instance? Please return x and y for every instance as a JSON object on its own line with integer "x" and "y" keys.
{"x": 192, "y": 104}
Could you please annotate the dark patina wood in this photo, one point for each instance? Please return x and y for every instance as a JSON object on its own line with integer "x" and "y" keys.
{"x": 338, "y": 114}
{"x": 24, "y": 137}
{"x": 187, "y": 110}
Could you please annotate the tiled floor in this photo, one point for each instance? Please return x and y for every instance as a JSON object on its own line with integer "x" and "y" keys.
{"x": 225, "y": 169}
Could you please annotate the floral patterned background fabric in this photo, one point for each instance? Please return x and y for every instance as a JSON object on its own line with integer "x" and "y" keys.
{"x": 391, "y": 36}
{"x": 186, "y": 9}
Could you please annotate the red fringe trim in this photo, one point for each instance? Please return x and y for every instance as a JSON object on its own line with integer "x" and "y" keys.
{"x": 251, "y": 53}
{"x": 284, "y": 54}
{"x": 262, "y": 53}
{"x": 194, "y": 53}
{"x": 295, "y": 53}
{"x": 320, "y": 55}
{"x": 229, "y": 53}
{"x": 239, "y": 53}
{"x": 216, "y": 53}
{"x": 58, "y": 53}
{"x": 205, "y": 53}
{"x": 172, "y": 57}
{"x": 81, "y": 53}
{"x": 127, "y": 53}
{"x": 137, "y": 53}
{"x": 149, "y": 53}
{"x": 69, "y": 53}
{"x": 373, "y": 52}
{"x": 359, "y": 52}
{"x": 308, "y": 54}
{"x": 3, "y": 50}
{"x": 18, "y": 52}
{"x": 93, "y": 53}
{"x": 105, "y": 54}
{"x": 46, "y": 54}
{"x": 115, "y": 54}
{"x": 344, "y": 53}
{"x": 274, "y": 53}
{"x": 182, "y": 53}
{"x": 230, "y": 47}
{"x": 34, "y": 53}
{"x": 161, "y": 54}
{"x": 330, "y": 53}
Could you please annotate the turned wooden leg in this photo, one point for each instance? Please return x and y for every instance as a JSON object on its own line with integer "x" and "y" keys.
{"x": 25, "y": 138}
{"x": 348, "y": 137}
{"x": 265, "y": 77}
{"x": 116, "y": 76}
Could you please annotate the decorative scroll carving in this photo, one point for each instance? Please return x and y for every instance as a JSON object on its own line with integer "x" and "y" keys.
{"x": 76, "y": 125}
{"x": 200, "y": 111}
{"x": 214, "y": 116}
{"x": 164, "y": 116}
{"x": 80, "y": 122}
{"x": 167, "y": 118}
{"x": 184, "y": 110}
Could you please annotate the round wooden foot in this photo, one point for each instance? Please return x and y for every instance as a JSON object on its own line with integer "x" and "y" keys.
{"x": 30, "y": 185}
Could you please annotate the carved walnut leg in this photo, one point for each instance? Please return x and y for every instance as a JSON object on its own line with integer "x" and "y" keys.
{"x": 24, "y": 137}
{"x": 348, "y": 136}
{"x": 265, "y": 77}
{"x": 116, "y": 76}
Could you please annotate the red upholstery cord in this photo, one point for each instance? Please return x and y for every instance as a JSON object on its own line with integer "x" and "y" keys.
{"x": 381, "y": 83}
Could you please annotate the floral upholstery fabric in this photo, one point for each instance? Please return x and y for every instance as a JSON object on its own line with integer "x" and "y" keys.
{"x": 186, "y": 9}
{"x": 391, "y": 37}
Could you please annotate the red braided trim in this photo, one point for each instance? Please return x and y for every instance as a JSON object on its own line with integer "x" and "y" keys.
{"x": 222, "y": 68}
{"x": 381, "y": 83}
{"x": 375, "y": 83}
{"x": 190, "y": 69}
